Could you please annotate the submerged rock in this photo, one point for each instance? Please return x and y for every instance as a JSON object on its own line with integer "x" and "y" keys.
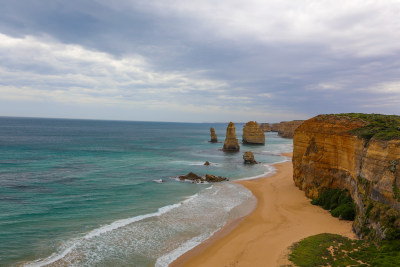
{"x": 214, "y": 138}
{"x": 248, "y": 158}
{"x": 231, "y": 143}
{"x": 253, "y": 134}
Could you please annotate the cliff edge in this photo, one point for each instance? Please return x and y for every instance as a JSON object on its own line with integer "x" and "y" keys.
{"x": 357, "y": 152}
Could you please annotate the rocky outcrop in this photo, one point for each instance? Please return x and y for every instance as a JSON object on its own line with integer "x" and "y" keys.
{"x": 214, "y": 138}
{"x": 286, "y": 128}
{"x": 252, "y": 134}
{"x": 327, "y": 154}
{"x": 198, "y": 179}
{"x": 265, "y": 127}
{"x": 248, "y": 158}
{"x": 215, "y": 179}
{"x": 207, "y": 163}
{"x": 231, "y": 143}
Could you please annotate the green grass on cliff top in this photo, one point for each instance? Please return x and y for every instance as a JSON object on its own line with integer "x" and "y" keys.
{"x": 336, "y": 250}
{"x": 380, "y": 127}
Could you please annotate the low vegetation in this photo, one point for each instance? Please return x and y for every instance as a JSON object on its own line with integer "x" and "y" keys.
{"x": 378, "y": 126}
{"x": 335, "y": 250}
{"x": 338, "y": 202}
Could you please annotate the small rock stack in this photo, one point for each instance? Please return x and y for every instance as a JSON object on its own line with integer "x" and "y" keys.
{"x": 214, "y": 138}
{"x": 248, "y": 158}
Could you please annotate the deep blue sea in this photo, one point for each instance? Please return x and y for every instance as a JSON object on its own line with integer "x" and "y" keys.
{"x": 85, "y": 192}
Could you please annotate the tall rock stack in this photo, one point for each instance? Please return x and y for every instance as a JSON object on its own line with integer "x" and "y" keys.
{"x": 231, "y": 143}
{"x": 214, "y": 138}
{"x": 252, "y": 134}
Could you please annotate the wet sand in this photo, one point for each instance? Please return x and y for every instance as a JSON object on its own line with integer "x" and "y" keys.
{"x": 283, "y": 216}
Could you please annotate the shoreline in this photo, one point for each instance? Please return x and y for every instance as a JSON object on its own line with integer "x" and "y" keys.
{"x": 283, "y": 215}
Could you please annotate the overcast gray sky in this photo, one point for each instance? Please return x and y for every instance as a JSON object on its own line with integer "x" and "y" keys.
{"x": 200, "y": 60}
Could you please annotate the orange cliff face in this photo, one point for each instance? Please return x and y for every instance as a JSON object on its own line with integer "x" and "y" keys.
{"x": 326, "y": 155}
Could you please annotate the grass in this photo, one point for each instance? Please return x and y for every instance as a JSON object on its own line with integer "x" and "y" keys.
{"x": 378, "y": 126}
{"x": 335, "y": 250}
{"x": 339, "y": 202}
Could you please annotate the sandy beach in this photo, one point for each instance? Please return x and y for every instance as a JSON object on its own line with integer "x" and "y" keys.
{"x": 283, "y": 216}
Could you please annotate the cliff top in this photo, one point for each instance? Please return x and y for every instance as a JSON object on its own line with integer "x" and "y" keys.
{"x": 377, "y": 126}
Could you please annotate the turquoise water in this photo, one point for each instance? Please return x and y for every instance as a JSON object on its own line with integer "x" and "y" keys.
{"x": 82, "y": 192}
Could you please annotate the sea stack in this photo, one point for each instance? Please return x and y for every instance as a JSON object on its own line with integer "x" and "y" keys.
{"x": 231, "y": 142}
{"x": 248, "y": 158}
{"x": 214, "y": 138}
{"x": 252, "y": 134}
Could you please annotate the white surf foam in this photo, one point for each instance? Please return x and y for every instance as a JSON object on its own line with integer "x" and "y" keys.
{"x": 104, "y": 229}
{"x": 163, "y": 235}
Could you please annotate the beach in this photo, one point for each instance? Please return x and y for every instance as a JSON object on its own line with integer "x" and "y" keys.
{"x": 283, "y": 216}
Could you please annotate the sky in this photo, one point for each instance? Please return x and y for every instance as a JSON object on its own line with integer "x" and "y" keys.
{"x": 200, "y": 60}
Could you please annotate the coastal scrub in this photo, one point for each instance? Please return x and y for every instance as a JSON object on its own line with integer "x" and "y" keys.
{"x": 336, "y": 250}
{"x": 378, "y": 126}
{"x": 338, "y": 202}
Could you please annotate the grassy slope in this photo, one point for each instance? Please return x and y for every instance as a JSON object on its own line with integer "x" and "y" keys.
{"x": 336, "y": 250}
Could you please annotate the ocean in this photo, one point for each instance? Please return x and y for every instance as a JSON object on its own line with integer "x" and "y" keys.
{"x": 88, "y": 192}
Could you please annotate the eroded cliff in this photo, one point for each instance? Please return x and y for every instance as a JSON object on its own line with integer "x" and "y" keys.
{"x": 343, "y": 151}
{"x": 266, "y": 127}
{"x": 286, "y": 128}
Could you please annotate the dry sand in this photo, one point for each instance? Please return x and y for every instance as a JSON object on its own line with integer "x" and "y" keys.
{"x": 283, "y": 216}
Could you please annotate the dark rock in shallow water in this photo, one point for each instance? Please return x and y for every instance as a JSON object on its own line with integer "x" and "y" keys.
{"x": 191, "y": 176}
{"x": 215, "y": 179}
{"x": 206, "y": 163}
{"x": 249, "y": 158}
{"x": 198, "y": 179}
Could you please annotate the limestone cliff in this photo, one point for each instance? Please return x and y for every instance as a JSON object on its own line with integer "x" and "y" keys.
{"x": 252, "y": 134}
{"x": 275, "y": 127}
{"x": 286, "y": 128}
{"x": 231, "y": 143}
{"x": 266, "y": 127}
{"x": 214, "y": 138}
{"x": 328, "y": 153}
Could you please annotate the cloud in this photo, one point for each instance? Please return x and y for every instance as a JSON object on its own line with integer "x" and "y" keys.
{"x": 359, "y": 28}
{"x": 386, "y": 88}
{"x": 55, "y": 70}
{"x": 204, "y": 57}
